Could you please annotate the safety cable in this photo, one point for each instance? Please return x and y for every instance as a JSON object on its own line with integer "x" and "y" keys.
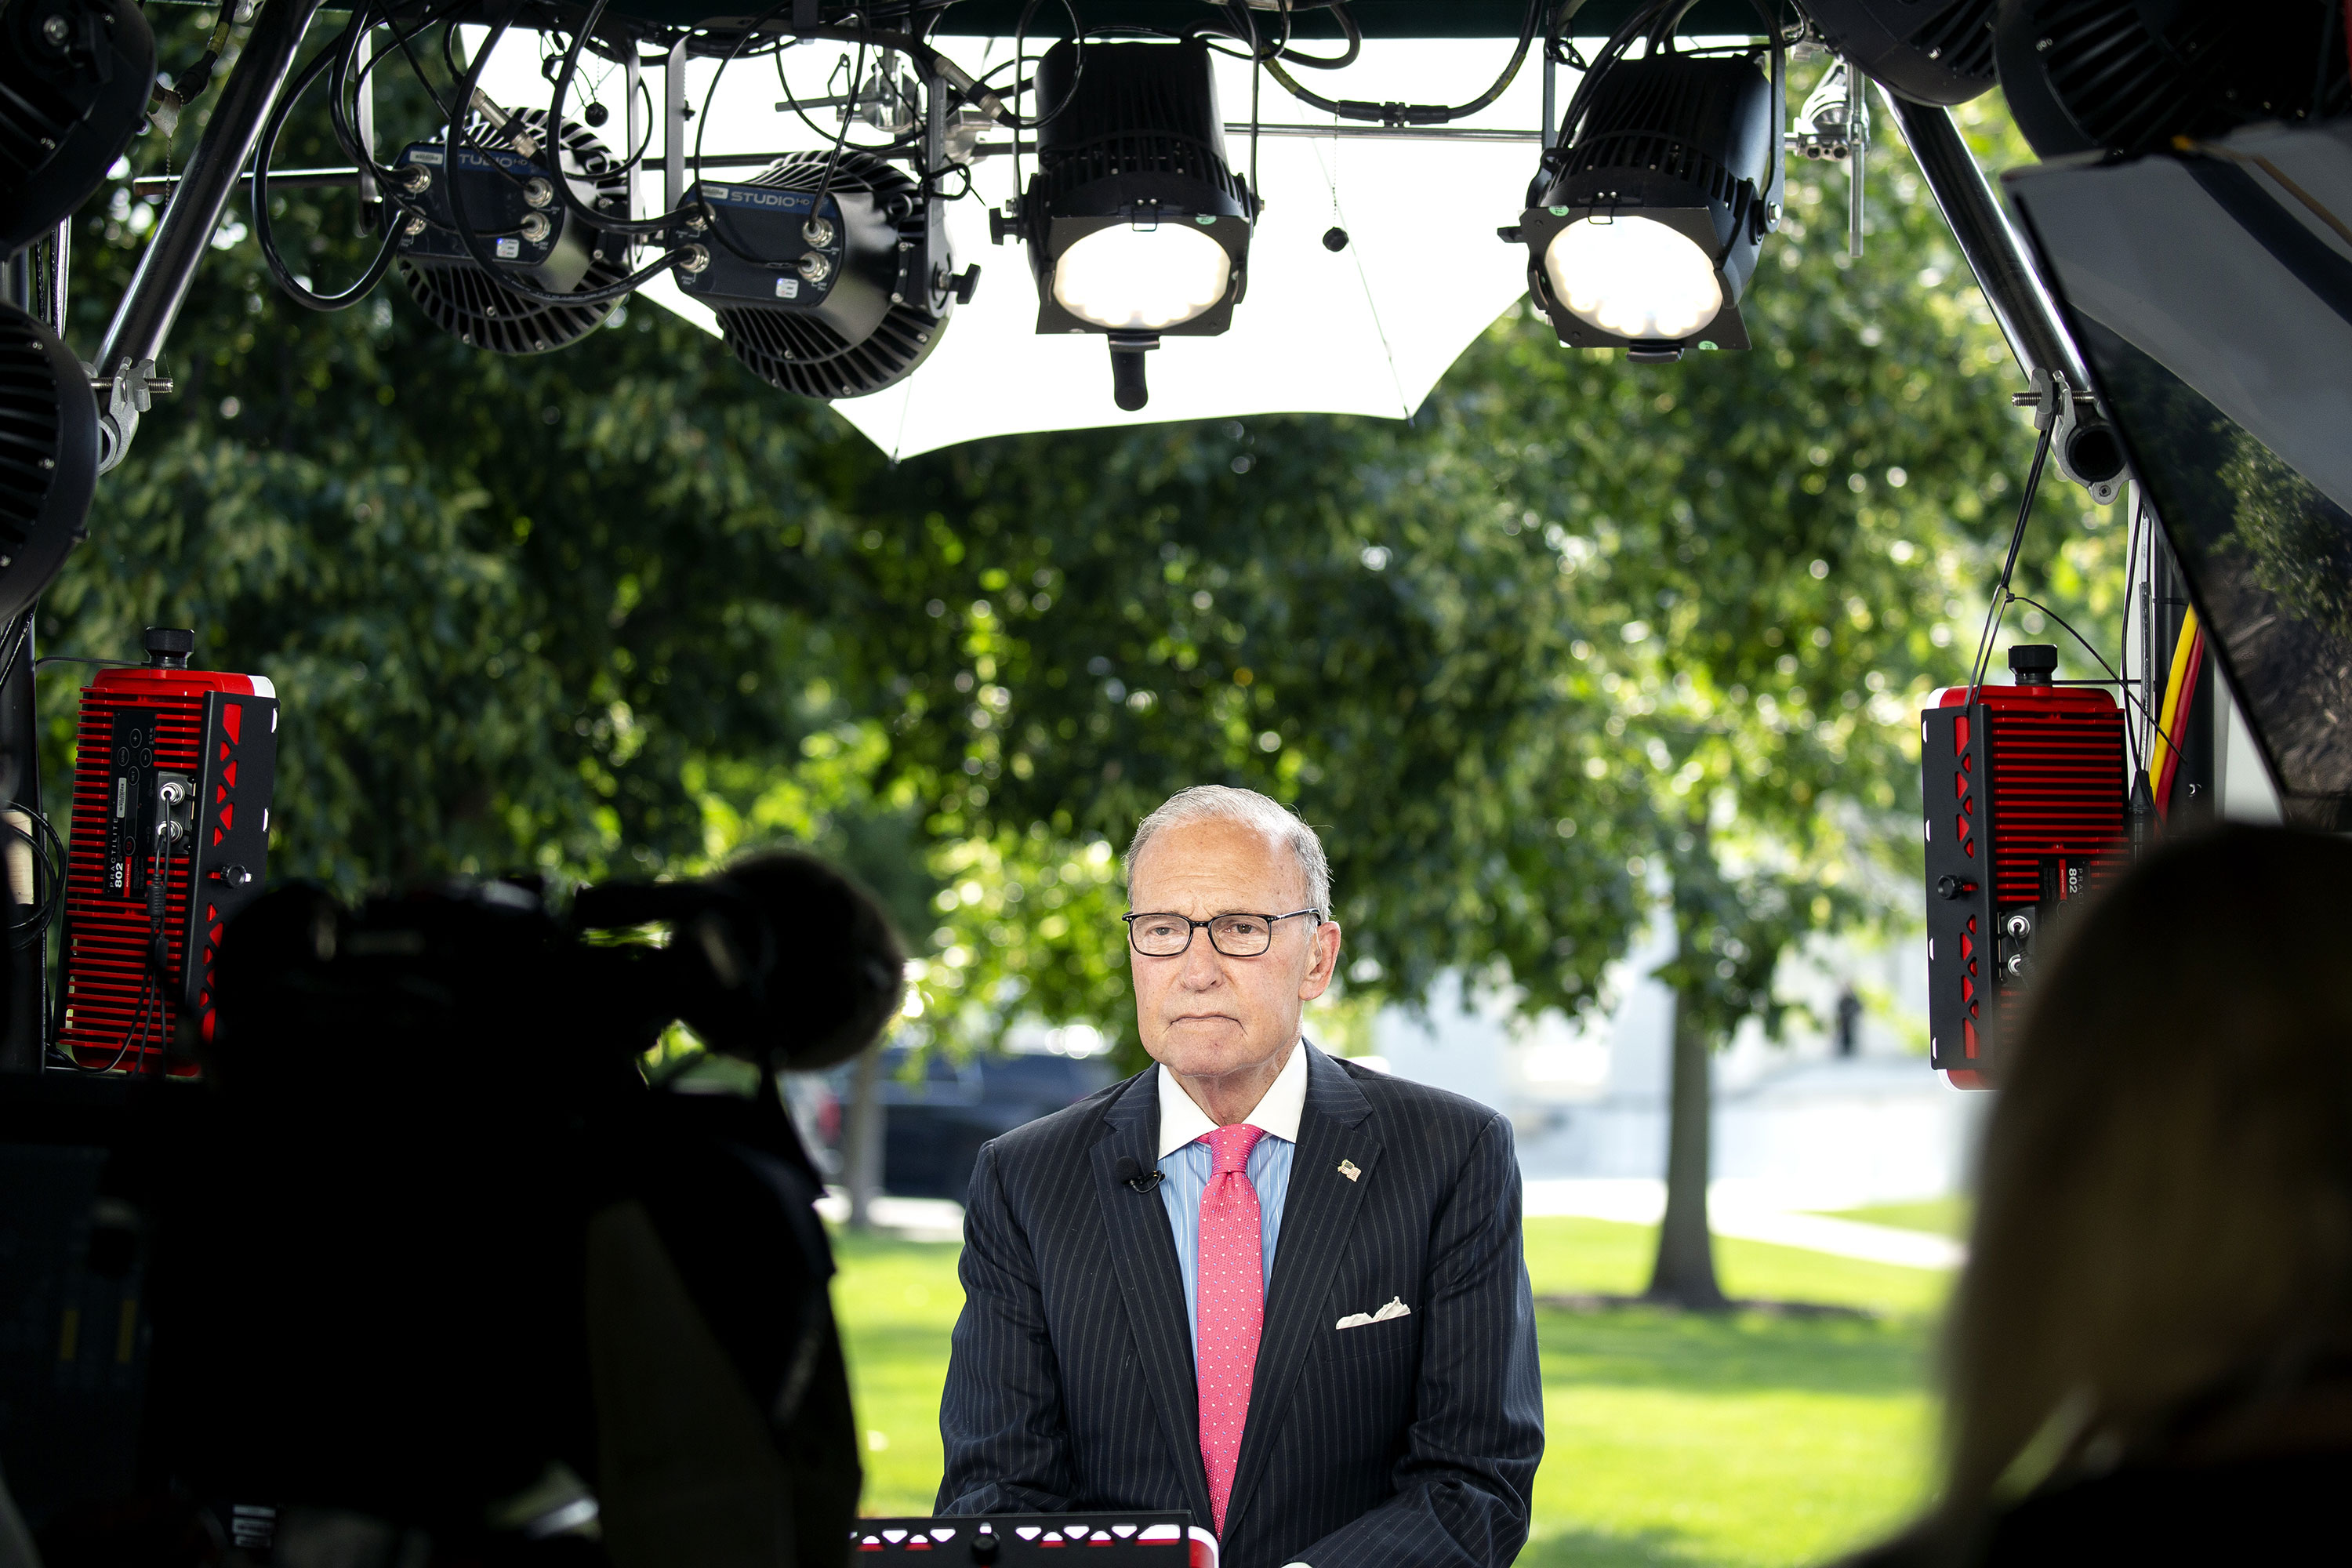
{"x": 1994, "y": 611}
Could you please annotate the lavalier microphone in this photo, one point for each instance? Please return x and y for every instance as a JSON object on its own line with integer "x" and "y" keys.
{"x": 1133, "y": 1175}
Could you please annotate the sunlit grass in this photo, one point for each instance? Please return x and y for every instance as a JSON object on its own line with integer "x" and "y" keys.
{"x": 1945, "y": 1216}
{"x": 1743, "y": 1439}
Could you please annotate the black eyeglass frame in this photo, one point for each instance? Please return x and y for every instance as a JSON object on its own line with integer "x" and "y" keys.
{"x": 1271, "y": 921}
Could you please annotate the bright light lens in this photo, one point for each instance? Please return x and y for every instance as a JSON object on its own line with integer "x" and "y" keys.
{"x": 1142, "y": 279}
{"x": 1634, "y": 277}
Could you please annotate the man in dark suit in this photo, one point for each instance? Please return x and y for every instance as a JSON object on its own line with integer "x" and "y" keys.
{"x": 1256, "y": 1282}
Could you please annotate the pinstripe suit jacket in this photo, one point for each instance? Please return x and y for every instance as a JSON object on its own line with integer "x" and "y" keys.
{"x": 1410, "y": 1442}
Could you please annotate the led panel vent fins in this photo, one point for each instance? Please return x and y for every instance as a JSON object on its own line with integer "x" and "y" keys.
{"x": 2023, "y": 797}
{"x": 1931, "y": 52}
{"x": 171, "y": 838}
{"x": 524, "y": 226}
{"x": 840, "y": 319}
{"x": 2129, "y": 75}
{"x": 48, "y": 457}
{"x": 74, "y": 80}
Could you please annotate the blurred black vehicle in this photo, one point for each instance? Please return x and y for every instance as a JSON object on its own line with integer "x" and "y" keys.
{"x": 934, "y": 1124}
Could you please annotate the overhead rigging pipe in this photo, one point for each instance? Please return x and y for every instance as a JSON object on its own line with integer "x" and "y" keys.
{"x": 135, "y": 341}
{"x": 2086, "y": 450}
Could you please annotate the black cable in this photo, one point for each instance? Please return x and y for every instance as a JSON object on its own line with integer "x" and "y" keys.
{"x": 832, "y": 159}
{"x": 1417, "y": 114}
{"x": 472, "y": 239}
{"x": 1348, "y": 29}
{"x": 264, "y": 232}
{"x": 150, "y": 989}
{"x": 48, "y": 873}
{"x": 2125, "y": 685}
{"x": 709, "y": 214}
{"x": 2016, "y": 539}
{"x": 1642, "y": 21}
{"x": 896, "y": 144}
{"x": 626, "y": 223}
{"x": 18, "y": 634}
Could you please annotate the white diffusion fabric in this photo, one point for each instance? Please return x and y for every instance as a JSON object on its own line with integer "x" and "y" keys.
{"x": 1366, "y": 329}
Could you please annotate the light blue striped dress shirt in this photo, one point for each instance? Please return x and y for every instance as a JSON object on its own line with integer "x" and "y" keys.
{"x": 1187, "y": 1170}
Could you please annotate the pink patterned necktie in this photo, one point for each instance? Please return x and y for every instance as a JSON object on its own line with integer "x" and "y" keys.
{"x": 1232, "y": 1307}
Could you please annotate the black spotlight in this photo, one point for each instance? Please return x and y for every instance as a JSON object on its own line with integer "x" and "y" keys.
{"x": 831, "y": 302}
{"x": 1930, "y": 51}
{"x": 1137, "y": 226}
{"x": 1643, "y": 226}
{"x": 48, "y": 457}
{"x": 2129, "y": 75}
{"x": 74, "y": 80}
{"x": 512, "y": 207}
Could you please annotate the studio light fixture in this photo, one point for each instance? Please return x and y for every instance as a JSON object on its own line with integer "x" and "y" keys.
{"x": 74, "y": 80}
{"x": 1642, "y": 227}
{"x": 488, "y": 180}
{"x": 1137, "y": 226}
{"x": 48, "y": 457}
{"x": 2128, "y": 77}
{"x": 830, "y": 275}
{"x": 1930, "y": 51}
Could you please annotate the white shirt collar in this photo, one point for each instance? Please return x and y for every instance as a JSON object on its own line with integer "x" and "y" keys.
{"x": 1181, "y": 1121}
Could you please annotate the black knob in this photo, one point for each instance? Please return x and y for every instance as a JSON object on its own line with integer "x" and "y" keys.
{"x": 2033, "y": 663}
{"x": 168, "y": 648}
{"x": 964, "y": 282}
{"x": 597, "y": 114}
{"x": 1335, "y": 238}
{"x": 1953, "y": 888}
{"x": 985, "y": 1545}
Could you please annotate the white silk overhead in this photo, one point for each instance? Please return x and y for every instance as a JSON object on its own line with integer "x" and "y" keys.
{"x": 1366, "y": 329}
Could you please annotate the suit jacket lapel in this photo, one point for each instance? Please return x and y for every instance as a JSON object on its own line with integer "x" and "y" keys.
{"x": 1144, "y": 1255}
{"x": 1317, "y": 1223}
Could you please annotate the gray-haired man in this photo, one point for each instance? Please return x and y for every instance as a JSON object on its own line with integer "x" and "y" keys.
{"x": 1254, "y": 1281}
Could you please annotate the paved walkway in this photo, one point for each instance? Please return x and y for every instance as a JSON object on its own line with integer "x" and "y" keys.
{"x": 1752, "y": 1212}
{"x": 908, "y": 1219}
{"x": 1749, "y": 1211}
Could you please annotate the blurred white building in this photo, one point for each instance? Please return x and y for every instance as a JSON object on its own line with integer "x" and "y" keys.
{"x": 1815, "y": 1129}
{"x": 1797, "y": 1124}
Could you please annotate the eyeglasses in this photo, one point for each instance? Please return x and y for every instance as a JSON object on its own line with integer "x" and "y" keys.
{"x": 1235, "y": 936}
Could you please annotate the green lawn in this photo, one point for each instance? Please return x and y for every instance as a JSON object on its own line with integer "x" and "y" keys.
{"x": 1747, "y": 1439}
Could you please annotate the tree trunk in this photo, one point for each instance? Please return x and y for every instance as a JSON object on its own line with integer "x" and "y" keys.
{"x": 1684, "y": 1274}
{"x": 861, "y": 1138}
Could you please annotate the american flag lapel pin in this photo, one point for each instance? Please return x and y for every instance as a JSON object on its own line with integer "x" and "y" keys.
{"x": 1348, "y": 1169}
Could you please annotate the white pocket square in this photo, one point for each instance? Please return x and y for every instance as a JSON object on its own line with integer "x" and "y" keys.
{"x": 1395, "y": 1309}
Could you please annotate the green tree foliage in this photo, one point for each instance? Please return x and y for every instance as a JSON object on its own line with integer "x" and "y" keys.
{"x": 1583, "y": 629}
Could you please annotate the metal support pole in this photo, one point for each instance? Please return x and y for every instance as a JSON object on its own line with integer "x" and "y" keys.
{"x": 674, "y": 129}
{"x": 61, "y": 274}
{"x": 159, "y": 287}
{"x": 2020, "y": 305}
{"x": 633, "y": 129}
{"x": 1857, "y": 157}
{"x": 371, "y": 199}
{"x": 1551, "y": 100}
